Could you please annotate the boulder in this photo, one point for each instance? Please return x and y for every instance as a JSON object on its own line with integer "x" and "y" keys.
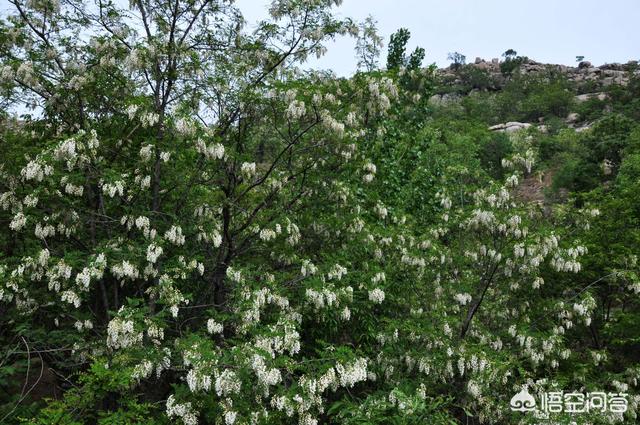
{"x": 510, "y": 127}
{"x": 443, "y": 99}
{"x": 613, "y": 66}
{"x": 584, "y": 97}
{"x": 614, "y": 73}
{"x": 516, "y": 126}
{"x": 584, "y": 64}
{"x": 572, "y": 117}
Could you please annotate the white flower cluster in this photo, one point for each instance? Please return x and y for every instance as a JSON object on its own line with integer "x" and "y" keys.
{"x": 227, "y": 383}
{"x": 234, "y": 275}
{"x": 27, "y": 75}
{"x": 584, "y": 308}
{"x": 248, "y": 169}
{"x": 186, "y": 126}
{"x": 474, "y": 389}
{"x": 132, "y": 109}
{"x": 230, "y": 417}
{"x": 142, "y": 370}
{"x": 357, "y": 225}
{"x": 214, "y": 327}
{"x": 463, "y": 299}
{"x": 94, "y": 271}
{"x": 7, "y": 73}
{"x": 267, "y": 234}
{"x": 308, "y": 268}
{"x": 80, "y": 325}
{"x": 197, "y": 380}
{"x": 266, "y": 377}
{"x": 153, "y": 253}
{"x": 35, "y": 170}
{"x": 376, "y": 295}
{"x": 212, "y": 151}
{"x": 370, "y": 170}
{"x": 70, "y": 297}
{"x": 413, "y": 261}
{"x": 285, "y": 339}
{"x": 527, "y": 161}
{"x": 146, "y": 153}
{"x": 294, "y": 233}
{"x": 18, "y": 222}
{"x": 149, "y": 119}
{"x": 141, "y": 222}
{"x": 331, "y": 124}
{"x": 121, "y": 333}
{"x": 73, "y": 190}
{"x": 184, "y": 411}
{"x": 111, "y": 189}
{"x": 321, "y": 298}
{"x": 66, "y": 151}
{"x": 569, "y": 264}
{"x": 351, "y": 374}
{"x": 482, "y": 218}
{"x": 30, "y": 200}
{"x": 175, "y": 236}
{"x": 296, "y": 110}
{"x": 59, "y": 272}
{"x": 169, "y": 294}
{"x": 336, "y": 272}
{"x": 381, "y": 210}
{"x": 512, "y": 181}
{"x": 125, "y": 270}
{"x": 44, "y": 231}
{"x": 378, "y": 277}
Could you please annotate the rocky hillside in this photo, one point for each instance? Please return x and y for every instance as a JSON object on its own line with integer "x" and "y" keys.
{"x": 582, "y": 84}
{"x": 603, "y": 75}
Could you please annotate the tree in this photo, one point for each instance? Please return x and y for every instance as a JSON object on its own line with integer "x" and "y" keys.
{"x": 173, "y": 147}
{"x": 458, "y": 59}
{"x": 396, "y": 57}
{"x": 511, "y": 62}
{"x": 509, "y": 54}
{"x": 368, "y": 44}
{"x": 397, "y": 47}
{"x": 415, "y": 59}
{"x": 194, "y": 230}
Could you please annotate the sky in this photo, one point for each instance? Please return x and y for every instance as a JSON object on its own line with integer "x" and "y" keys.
{"x": 549, "y": 31}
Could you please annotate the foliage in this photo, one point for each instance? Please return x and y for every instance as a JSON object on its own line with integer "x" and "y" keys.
{"x": 458, "y": 59}
{"x": 368, "y": 44}
{"x": 197, "y": 231}
{"x": 511, "y": 62}
{"x": 396, "y": 58}
{"x": 474, "y": 78}
{"x": 397, "y": 47}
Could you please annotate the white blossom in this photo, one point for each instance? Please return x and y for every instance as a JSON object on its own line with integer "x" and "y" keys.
{"x": 248, "y": 169}
{"x": 376, "y": 295}
{"x": 18, "y": 222}
{"x": 214, "y": 327}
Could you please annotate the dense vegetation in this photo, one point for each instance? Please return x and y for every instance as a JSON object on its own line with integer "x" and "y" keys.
{"x": 196, "y": 231}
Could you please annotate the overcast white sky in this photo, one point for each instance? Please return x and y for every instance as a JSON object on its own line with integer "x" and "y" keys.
{"x": 552, "y": 31}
